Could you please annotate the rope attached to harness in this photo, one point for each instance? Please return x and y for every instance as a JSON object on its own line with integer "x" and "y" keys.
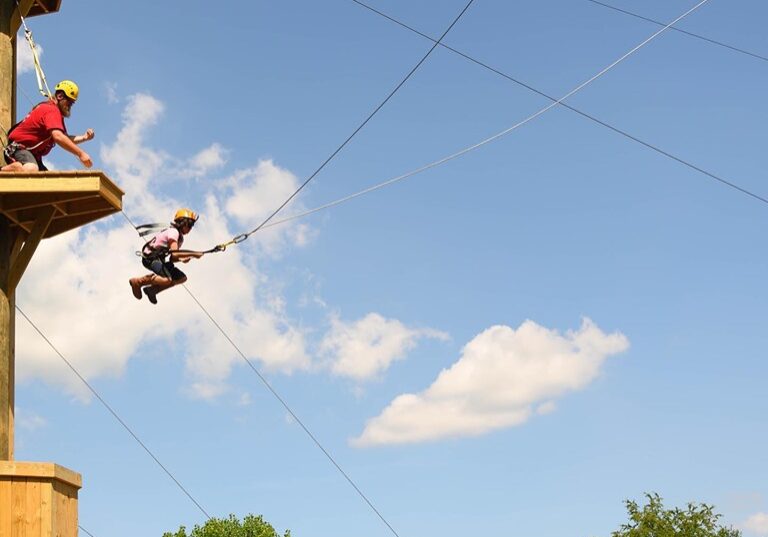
{"x": 151, "y": 253}
{"x": 42, "y": 83}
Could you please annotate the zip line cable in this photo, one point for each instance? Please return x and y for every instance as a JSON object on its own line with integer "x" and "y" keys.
{"x": 263, "y": 224}
{"x": 517, "y": 125}
{"x": 691, "y": 34}
{"x": 43, "y": 84}
{"x": 243, "y": 236}
{"x": 282, "y": 401}
{"x": 85, "y": 530}
{"x": 293, "y": 415}
{"x": 543, "y": 94}
{"x": 114, "y": 414}
{"x": 235, "y": 241}
{"x": 240, "y": 238}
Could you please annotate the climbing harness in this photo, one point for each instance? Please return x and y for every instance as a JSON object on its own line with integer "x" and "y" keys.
{"x": 151, "y": 253}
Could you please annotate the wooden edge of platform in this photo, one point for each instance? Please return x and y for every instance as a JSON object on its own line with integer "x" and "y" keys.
{"x": 47, "y": 181}
{"x": 42, "y": 470}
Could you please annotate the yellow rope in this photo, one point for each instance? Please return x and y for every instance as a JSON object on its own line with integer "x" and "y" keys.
{"x": 42, "y": 83}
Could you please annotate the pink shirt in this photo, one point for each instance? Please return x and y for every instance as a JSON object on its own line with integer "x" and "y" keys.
{"x": 165, "y": 237}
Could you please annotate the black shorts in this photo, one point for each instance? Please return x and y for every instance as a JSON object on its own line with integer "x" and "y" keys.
{"x": 25, "y": 157}
{"x": 165, "y": 269}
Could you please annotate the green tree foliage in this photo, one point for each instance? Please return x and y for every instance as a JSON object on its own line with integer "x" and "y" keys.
{"x": 653, "y": 520}
{"x": 251, "y": 526}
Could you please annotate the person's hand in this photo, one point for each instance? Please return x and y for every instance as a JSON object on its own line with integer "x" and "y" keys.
{"x": 186, "y": 260}
{"x": 89, "y": 134}
{"x": 85, "y": 158}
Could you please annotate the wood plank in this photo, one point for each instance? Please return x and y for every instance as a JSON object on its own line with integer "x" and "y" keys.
{"x": 61, "y": 225}
{"x": 30, "y": 245}
{"x": 5, "y": 506}
{"x": 19, "y": 201}
{"x": 112, "y": 194}
{"x": 18, "y": 507}
{"x": 11, "y": 215}
{"x": 89, "y": 204}
{"x": 6, "y": 346}
{"x": 46, "y": 509}
{"x": 12, "y": 373}
{"x": 34, "y": 523}
{"x": 40, "y": 470}
{"x": 65, "y": 513}
{"x": 58, "y": 184}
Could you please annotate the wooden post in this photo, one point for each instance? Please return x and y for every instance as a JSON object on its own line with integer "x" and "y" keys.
{"x": 36, "y": 499}
{"x": 7, "y": 316}
{"x": 7, "y": 362}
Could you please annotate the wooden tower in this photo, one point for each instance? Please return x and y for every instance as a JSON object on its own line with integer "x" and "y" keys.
{"x": 36, "y": 498}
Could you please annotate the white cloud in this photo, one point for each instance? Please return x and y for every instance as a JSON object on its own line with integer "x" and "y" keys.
{"x": 24, "y": 60}
{"x": 757, "y": 523}
{"x": 110, "y": 88}
{"x": 76, "y": 287}
{"x": 546, "y": 408}
{"x": 28, "y": 420}
{"x": 133, "y": 162}
{"x": 502, "y": 374}
{"x": 364, "y": 348}
{"x": 210, "y": 158}
{"x": 253, "y": 194}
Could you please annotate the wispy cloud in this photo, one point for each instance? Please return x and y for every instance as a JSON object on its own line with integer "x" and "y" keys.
{"x": 501, "y": 377}
{"x": 364, "y": 348}
{"x": 28, "y": 420}
{"x": 24, "y": 60}
{"x": 209, "y": 159}
{"x": 757, "y": 524}
{"x": 110, "y": 89}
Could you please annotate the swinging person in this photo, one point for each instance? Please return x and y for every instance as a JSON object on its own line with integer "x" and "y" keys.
{"x": 165, "y": 244}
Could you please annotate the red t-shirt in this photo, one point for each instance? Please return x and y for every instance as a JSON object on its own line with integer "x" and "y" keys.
{"x": 34, "y": 131}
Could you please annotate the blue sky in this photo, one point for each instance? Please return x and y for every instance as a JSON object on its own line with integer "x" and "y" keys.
{"x": 513, "y": 342}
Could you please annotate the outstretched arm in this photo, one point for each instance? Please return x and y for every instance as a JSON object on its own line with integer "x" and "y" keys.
{"x": 182, "y": 255}
{"x": 185, "y": 255}
{"x": 80, "y": 138}
{"x": 66, "y": 143}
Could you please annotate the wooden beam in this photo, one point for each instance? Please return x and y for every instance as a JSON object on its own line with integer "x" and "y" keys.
{"x": 16, "y": 16}
{"x": 18, "y": 243}
{"x": 42, "y": 6}
{"x": 60, "y": 225}
{"x": 21, "y": 183}
{"x": 30, "y": 245}
{"x": 6, "y": 346}
{"x": 89, "y": 206}
{"x": 17, "y": 202}
{"x": 15, "y": 220}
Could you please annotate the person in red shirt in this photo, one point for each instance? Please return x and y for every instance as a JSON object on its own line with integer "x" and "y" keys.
{"x": 34, "y": 137}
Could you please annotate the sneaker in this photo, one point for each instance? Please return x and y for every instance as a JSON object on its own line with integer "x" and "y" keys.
{"x": 151, "y": 294}
{"x": 135, "y": 288}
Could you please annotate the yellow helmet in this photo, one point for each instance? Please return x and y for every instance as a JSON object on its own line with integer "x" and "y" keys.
{"x": 186, "y": 213}
{"x": 69, "y": 88}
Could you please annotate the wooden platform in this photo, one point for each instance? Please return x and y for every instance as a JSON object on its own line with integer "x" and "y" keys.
{"x": 76, "y": 198}
{"x": 38, "y": 499}
{"x": 42, "y": 7}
